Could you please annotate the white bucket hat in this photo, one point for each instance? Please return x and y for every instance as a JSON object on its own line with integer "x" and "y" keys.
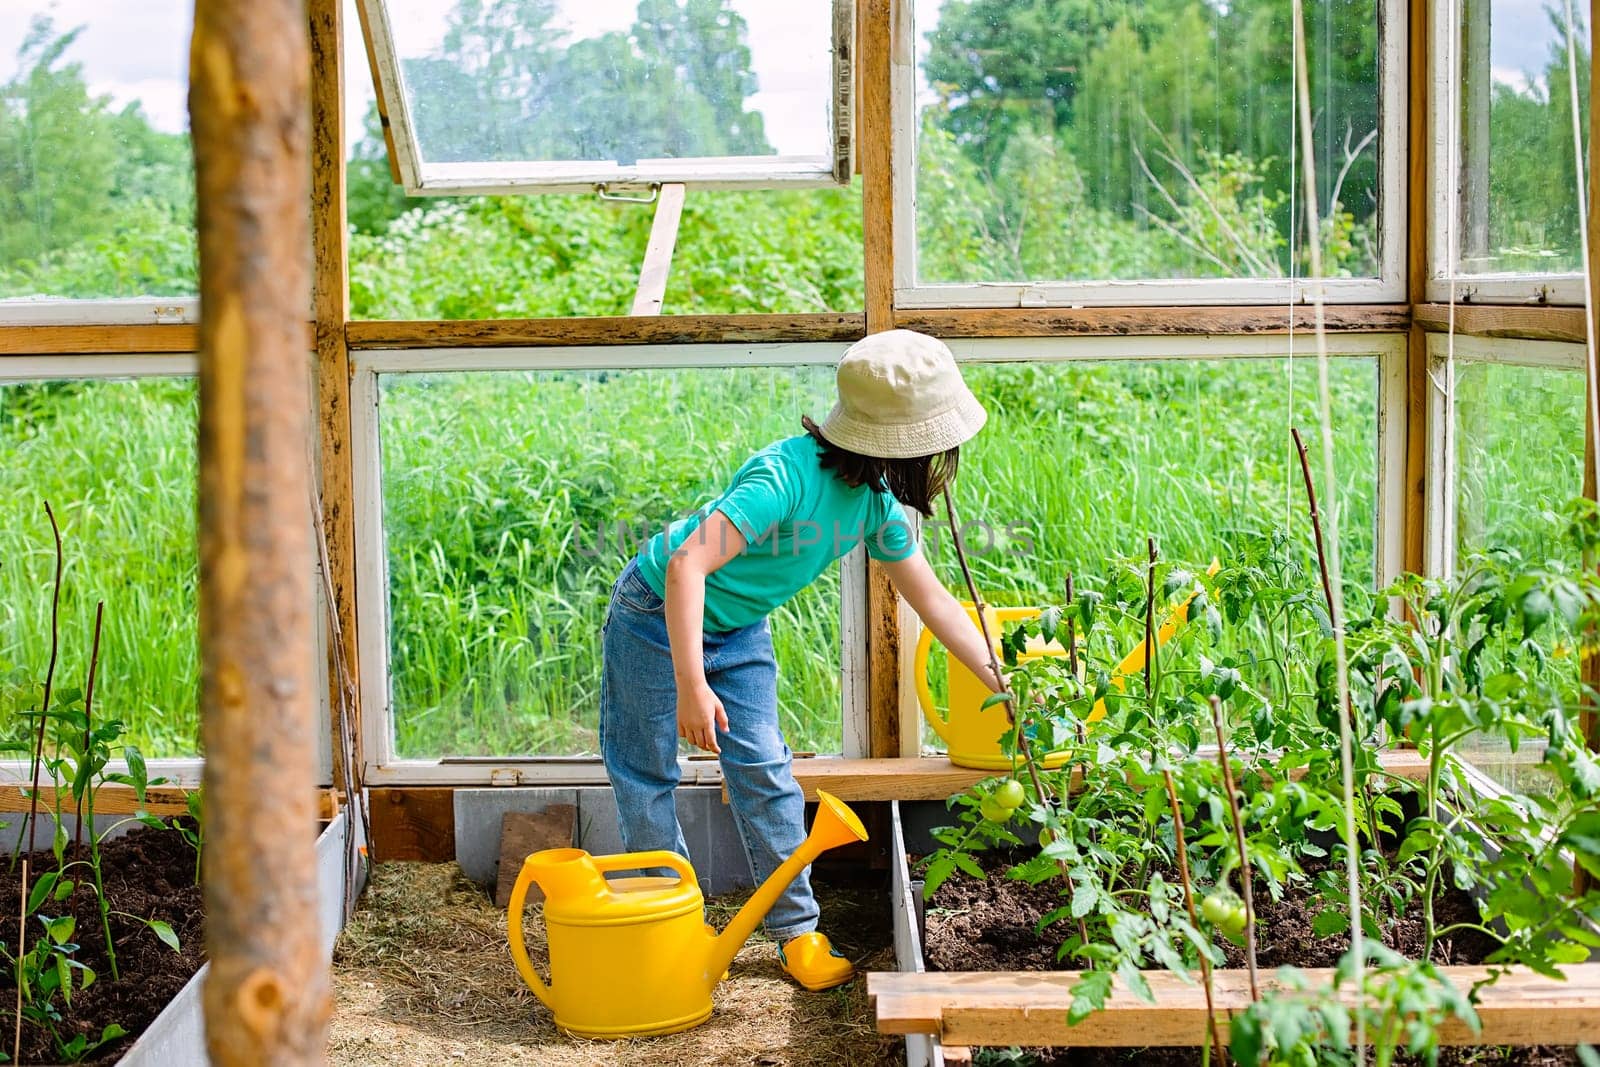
{"x": 901, "y": 396}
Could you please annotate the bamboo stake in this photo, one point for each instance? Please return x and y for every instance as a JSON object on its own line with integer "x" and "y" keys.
{"x": 267, "y": 1001}
{"x": 49, "y": 684}
{"x": 988, "y": 642}
{"x": 1194, "y": 916}
{"x": 88, "y": 729}
{"x": 22, "y": 949}
{"x": 1238, "y": 837}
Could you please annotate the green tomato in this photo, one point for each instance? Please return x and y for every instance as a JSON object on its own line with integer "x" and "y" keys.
{"x": 1224, "y": 911}
{"x": 994, "y": 811}
{"x": 1009, "y": 794}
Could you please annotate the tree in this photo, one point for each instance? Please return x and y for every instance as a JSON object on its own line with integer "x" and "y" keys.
{"x": 93, "y": 202}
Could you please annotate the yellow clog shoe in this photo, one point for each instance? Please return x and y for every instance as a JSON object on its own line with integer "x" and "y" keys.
{"x": 810, "y": 960}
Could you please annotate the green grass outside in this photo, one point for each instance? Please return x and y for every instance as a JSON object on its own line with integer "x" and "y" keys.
{"x": 496, "y": 486}
{"x": 116, "y": 461}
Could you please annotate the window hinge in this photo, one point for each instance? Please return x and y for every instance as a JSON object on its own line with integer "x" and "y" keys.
{"x": 505, "y": 776}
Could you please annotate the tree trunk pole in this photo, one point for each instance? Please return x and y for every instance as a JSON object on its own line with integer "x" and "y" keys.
{"x": 266, "y": 999}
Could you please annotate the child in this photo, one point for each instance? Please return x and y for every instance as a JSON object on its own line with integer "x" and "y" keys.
{"x": 687, "y": 652}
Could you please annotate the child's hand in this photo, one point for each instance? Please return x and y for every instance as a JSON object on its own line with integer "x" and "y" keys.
{"x": 700, "y": 716}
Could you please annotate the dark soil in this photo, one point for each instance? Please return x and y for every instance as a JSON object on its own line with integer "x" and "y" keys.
{"x": 988, "y": 925}
{"x": 147, "y": 873}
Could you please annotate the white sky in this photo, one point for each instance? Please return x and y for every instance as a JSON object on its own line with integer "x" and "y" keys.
{"x": 138, "y": 50}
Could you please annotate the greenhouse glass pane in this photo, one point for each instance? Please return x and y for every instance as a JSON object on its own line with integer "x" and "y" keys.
{"x": 512, "y": 501}
{"x": 116, "y": 462}
{"x": 615, "y": 81}
{"x": 96, "y": 180}
{"x": 1518, "y": 198}
{"x": 1519, "y": 459}
{"x": 1519, "y": 456}
{"x": 1081, "y": 462}
{"x": 1139, "y": 139}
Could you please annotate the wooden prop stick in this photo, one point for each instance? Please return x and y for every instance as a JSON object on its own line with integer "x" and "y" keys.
{"x": 267, "y": 1001}
{"x": 1194, "y": 918}
{"x": 988, "y": 642}
{"x": 652, "y": 291}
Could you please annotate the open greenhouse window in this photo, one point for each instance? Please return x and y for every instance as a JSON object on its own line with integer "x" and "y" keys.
{"x": 109, "y": 444}
{"x": 1507, "y": 445}
{"x": 499, "y": 494}
{"x": 1144, "y": 152}
{"x": 96, "y": 182}
{"x": 499, "y": 96}
{"x": 1505, "y": 219}
{"x": 1181, "y": 440}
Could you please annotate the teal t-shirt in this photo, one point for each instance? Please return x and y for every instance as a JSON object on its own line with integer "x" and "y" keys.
{"x": 797, "y": 518}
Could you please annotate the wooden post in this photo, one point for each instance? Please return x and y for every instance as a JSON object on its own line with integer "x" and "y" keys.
{"x": 1590, "y": 669}
{"x": 331, "y": 312}
{"x": 266, "y": 997}
{"x": 1417, "y": 207}
{"x": 876, "y": 152}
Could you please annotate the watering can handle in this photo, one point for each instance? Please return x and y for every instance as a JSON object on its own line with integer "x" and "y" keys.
{"x": 930, "y": 710}
{"x": 519, "y": 947}
{"x": 628, "y": 861}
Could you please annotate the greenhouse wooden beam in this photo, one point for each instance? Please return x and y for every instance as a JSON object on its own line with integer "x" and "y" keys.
{"x": 612, "y": 330}
{"x": 1589, "y": 720}
{"x": 267, "y": 999}
{"x": 331, "y": 309}
{"x": 1508, "y": 321}
{"x": 97, "y": 340}
{"x": 1414, "y": 518}
{"x": 1150, "y": 321}
{"x": 874, "y": 83}
{"x": 1030, "y": 1008}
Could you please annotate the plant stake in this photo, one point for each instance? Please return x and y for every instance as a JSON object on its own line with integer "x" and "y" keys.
{"x": 1238, "y": 836}
{"x": 49, "y": 682}
{"x": 988, "y": 644}
{"x": 1194, "y": 918}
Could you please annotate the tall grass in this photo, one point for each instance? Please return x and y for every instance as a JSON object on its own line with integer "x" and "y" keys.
{"x": 497, "y": 487}
{"x": 116, "y": 461}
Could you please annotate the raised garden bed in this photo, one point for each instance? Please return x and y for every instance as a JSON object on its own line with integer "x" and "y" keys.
{"x": 148, "y": 873}
{"x": 971, "y": 973}
{"x": 1230, "y": 806}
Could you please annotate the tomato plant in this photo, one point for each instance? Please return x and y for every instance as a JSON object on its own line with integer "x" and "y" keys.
{"x": 1211, "y": 779}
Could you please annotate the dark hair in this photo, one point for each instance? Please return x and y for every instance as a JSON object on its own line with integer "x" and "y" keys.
{"x": 914, "y": 482}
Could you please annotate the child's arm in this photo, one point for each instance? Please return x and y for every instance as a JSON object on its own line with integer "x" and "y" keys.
{"x": 714, "y": 543}
{"x": 942, "y": 613}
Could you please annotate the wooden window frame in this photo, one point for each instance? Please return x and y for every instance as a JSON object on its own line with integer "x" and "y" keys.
{"x": 1388, "y": 286}
{"x": 384, "y": 768}
{"x": 1502, "y": 287}
{"x": 182, "y": 771}
{"x": 1440, "y": 515}
{"x": 422, "y": 178}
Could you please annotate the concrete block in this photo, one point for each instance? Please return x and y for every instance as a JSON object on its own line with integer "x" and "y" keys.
{"x": 715, "y": 849}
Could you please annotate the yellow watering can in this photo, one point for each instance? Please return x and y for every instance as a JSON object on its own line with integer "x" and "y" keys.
{"x": 1133, "y": 662}
{"x": 633, "y": 957}
{"x": 972, "y": 732}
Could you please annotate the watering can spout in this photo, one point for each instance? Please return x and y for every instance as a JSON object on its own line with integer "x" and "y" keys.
{"x": 834, "y": 825}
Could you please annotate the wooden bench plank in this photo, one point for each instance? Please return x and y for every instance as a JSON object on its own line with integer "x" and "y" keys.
{"x": 936, "y": 778}
{"x": 1030, "y": 1008}
{"x": 114, "y": 799}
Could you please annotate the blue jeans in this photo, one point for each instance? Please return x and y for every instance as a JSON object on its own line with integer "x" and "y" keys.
{"x": 639, "y": 742}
